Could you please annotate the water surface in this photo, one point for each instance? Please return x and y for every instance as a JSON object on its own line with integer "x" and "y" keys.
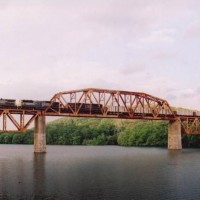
{"x": 99, "y": 172}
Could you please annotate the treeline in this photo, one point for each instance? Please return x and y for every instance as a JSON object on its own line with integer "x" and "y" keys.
{"x": 81, "y": 131}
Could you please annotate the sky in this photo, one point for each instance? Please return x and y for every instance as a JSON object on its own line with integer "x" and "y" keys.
{"x": 151, "y": 46}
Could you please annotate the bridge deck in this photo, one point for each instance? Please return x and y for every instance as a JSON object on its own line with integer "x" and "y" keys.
{"x": 92, "y": 102}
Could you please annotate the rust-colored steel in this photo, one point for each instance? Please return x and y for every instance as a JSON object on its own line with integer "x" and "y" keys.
{"x": 103, "y": 103}
{"x": 93, "y": 102}
{"x": 20, "y": 119}
{"x": 190, "y": 125}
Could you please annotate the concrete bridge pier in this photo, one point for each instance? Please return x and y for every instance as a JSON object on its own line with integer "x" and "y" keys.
{"x": 40, "y": 135}
{"x": 174, "y": 135}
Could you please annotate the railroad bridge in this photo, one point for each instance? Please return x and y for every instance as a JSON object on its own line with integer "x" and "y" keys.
{"x": 17, "y": 115}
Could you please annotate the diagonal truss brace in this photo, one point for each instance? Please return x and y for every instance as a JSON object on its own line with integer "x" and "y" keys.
{"x": 20, "y": 120}
{"x": 190, "y": 125}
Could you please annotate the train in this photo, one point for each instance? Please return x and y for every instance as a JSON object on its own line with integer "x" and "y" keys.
{"x": 86, "y": 108}
{"x": 25, "y": 104}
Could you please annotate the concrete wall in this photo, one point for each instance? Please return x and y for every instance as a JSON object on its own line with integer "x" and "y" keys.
{"x": 40, "y": 135}
{"x": 174, "y": 135}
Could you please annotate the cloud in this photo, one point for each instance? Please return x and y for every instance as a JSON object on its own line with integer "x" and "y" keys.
{"x": 163, "y": 55}
{"x": 132, "y": 69}
{"x": 180, "y": 97}
{"x": 198, "y": 90}
{"x": 171, "y": 97}
{"x": 193, "y": 30}
{"x": 163, "y": 36}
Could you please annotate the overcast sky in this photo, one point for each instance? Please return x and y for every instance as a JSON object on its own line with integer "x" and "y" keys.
{"x": 150, "y": 46}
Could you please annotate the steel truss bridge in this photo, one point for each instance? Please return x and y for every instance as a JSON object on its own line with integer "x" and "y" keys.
{"x": 101, "y": 103}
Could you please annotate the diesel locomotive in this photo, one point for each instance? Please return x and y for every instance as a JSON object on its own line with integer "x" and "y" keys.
{"x": 26, "y": 104}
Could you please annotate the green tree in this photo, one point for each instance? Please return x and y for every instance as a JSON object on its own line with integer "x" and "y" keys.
{"x": 8, "y": 138}
{"x": 18, "y": 139}
{"x": 123, "y": 138}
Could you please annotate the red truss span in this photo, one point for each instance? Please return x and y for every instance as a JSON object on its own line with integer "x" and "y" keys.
{"x": 92, "y": 102}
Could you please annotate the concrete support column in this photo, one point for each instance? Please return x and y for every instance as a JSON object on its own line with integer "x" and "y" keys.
{"x": 40, "y": 135}
{"x": 174, "y": 135}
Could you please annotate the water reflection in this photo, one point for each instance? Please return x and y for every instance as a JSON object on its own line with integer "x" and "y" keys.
{"x": 14, "y": 182}
{"x": 174, "y": 156}
{"x": 39, "y": 176}
{"x": 3, "y": 181}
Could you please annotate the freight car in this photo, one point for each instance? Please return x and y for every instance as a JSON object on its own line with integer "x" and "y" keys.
{"x": 83, "y": 108}
{"x": 7, "y": 103}
{"x": 36, "y": 105}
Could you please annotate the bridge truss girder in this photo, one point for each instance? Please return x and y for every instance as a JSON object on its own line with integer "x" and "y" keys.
{"x": 99, "y": 103}
{"x": 190, "y": 125}
{"x": 110, "y": 103}
{"x": 16, "y": 120}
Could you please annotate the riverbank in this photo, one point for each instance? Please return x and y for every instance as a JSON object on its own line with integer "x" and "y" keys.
{"x": 90, "y": 131}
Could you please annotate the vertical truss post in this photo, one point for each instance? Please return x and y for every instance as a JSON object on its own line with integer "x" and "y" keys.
{"x": 22, "y": 121}
{"x": 4, "y": 122}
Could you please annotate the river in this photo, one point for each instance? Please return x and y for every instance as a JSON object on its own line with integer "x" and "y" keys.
{"x": 99, "y": 172}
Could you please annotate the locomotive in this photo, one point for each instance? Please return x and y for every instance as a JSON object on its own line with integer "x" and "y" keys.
{"x": 27, "y": 104}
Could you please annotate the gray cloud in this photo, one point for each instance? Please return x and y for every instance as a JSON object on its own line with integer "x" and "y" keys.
{"x": 164, "y": 55}
{"x": 172, "y": 97}
{"x": 132, "y": 69}
{"x": 198, "y": 90}
{"x": 193, "y": 29}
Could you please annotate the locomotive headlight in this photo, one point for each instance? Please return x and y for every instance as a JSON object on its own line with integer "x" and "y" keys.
{"x": 18, "y": 103}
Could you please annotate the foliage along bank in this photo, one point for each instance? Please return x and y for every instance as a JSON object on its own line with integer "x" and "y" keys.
{"x": 90, "y": 131}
